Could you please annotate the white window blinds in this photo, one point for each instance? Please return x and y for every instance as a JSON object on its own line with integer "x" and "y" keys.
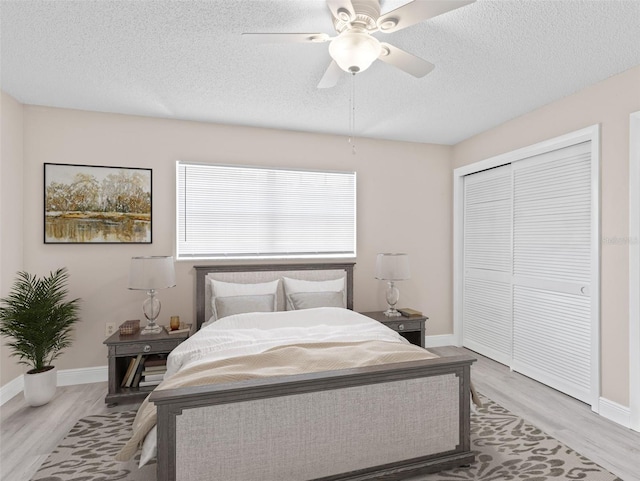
{"x": 247, "y": 212}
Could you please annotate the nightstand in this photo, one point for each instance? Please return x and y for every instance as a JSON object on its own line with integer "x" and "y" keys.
{"x": 124, "y": 348}
{"x": 411, "y": 328}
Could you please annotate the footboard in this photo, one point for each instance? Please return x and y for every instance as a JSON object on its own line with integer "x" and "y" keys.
{"x": 391, "y": 420}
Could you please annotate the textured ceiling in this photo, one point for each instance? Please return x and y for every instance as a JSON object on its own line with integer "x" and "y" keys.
{"x": 495, "y": 60}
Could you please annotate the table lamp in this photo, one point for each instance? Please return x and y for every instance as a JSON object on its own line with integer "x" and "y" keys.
{"x": 150, "y": 274}
{"x": 392, "y": 267}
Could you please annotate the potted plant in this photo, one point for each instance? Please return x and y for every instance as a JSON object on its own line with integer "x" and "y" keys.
{"x": 39, "y": 320}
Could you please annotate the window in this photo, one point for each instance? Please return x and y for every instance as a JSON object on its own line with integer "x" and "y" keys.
{"x": 248, "y": 212}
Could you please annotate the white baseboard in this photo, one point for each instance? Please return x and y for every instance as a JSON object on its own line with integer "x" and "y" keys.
{"x": 11, "y": 389}
{"x": 66, "y": 377}
{"x": 440, "y": 340}
{"x": 615, "y": 412}
{"x": 85, "y": 375}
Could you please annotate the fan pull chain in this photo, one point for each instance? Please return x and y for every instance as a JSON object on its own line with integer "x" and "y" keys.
{"x": 352, "y": 115}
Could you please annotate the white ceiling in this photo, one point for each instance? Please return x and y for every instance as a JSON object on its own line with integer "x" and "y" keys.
{"x": 495, "y": 60}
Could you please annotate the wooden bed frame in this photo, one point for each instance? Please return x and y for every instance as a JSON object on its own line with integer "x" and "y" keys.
{"x": 381, "y": 422}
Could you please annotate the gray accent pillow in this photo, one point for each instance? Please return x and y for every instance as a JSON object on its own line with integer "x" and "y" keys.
{"x": 228, "y": 306}
{"x": 308, "y": 300}
{"x": 292, "y": 286}
{"x": 230, "y": 289}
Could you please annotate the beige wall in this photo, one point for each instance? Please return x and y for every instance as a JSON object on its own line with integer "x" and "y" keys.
{"x": 405, "y": 185}
{"x": 11, "y": 192}
{"x": 608, "y": 103}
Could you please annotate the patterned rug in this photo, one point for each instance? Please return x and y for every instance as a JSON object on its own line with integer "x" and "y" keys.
{"x": 506, "y": 448}
{"x": 87, "y": 452}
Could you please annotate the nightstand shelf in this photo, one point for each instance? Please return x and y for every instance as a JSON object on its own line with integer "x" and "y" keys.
{"x": 122, "y": 349}
{"x": 411, "y": 328}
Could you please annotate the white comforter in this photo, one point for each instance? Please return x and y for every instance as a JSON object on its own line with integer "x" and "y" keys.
{"x": 257, "y": 332}
{"x": 254, "y": 333}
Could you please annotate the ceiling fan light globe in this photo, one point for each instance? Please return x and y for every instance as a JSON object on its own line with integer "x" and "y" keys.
{"x": 354, "y": 51}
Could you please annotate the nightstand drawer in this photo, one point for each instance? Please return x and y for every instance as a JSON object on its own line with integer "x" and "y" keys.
{"x": 135, "y": 348}
{"x": 403, "y": 325}
{"x": 411, "y": 328}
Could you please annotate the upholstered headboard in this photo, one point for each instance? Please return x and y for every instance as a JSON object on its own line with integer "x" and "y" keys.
{"x": 250, "y": 274}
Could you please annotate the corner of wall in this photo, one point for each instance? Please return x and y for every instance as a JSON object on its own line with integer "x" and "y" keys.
{"x": 11, "y": 209}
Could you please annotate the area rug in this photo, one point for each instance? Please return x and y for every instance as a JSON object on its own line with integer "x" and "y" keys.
{"x": 506, "y": 448}
{"x": 87, "y": 452}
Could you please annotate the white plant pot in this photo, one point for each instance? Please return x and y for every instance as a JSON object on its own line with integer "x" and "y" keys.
{"x": 40, "y": 388}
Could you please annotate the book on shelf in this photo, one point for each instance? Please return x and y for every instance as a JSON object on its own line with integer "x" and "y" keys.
{"x": 148, "y": 371}
{"x": 408, "y": 312}
{"x": 155, "y": 361}
{"x": 125, "y": 378}
{"x": 148, "y": 383}
{"x": 138, "y": 373}
{"x": 149, "y": 366}
{"x": 154, "y": 377}
{"x": 131, "y": 375}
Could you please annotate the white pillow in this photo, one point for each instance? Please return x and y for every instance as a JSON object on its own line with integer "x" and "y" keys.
{"x": 298, "y": 285}
{"x": 229, "y": 306}
{"x": 230, "y": 289}
{"x": 310, "y": 300}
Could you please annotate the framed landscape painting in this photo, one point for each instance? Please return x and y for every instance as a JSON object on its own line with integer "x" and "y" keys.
{"x": 94, "y": 204}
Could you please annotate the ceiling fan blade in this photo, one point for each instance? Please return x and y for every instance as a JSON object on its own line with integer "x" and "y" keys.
{"x": 331, "y": 76}
{"x": 411, "y": 64}
{"x": 286, "y": 37}
{"x": 416, "y": 12}
{"x": 342, "y": 9}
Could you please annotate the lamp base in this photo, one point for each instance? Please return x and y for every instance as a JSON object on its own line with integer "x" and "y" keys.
{"x": 151, "y": 309}
{"x": 152, "y": 328}
{"x": 393, "y": 295}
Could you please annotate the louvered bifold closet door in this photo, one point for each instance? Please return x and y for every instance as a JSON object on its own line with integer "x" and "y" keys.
{"x": 552, "y": 269}
{"x": 486, "y": 308}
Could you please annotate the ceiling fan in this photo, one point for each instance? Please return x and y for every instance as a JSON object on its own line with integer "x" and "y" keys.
{"x": 354, "y": 49}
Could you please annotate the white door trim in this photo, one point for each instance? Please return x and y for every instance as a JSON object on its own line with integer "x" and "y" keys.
{"x": 591, "y": 134}
{"x": 634, "y": 270}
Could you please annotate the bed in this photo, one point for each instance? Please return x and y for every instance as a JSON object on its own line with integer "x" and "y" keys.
{"x": 390, "y": 420}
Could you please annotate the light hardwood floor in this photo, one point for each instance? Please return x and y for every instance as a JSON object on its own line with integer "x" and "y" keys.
{"x": 570, "y": 421}
{"x": 28, "y": 435}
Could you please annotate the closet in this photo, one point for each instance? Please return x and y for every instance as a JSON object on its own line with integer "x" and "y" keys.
{"x": 528, "y": 267}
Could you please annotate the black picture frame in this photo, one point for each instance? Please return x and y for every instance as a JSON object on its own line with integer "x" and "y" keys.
{"x": 96, "y": 204}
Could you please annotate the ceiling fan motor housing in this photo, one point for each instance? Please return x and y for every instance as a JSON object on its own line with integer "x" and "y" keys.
{"x": 367, "y": 13}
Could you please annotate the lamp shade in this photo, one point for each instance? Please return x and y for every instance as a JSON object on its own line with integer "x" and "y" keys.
{"x": 354, "y": 50}
{"x": 392, "y": 267}
{"x": 153, "y": 272}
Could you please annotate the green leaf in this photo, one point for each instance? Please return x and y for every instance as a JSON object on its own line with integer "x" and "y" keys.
{"x": 37, "y": 318}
